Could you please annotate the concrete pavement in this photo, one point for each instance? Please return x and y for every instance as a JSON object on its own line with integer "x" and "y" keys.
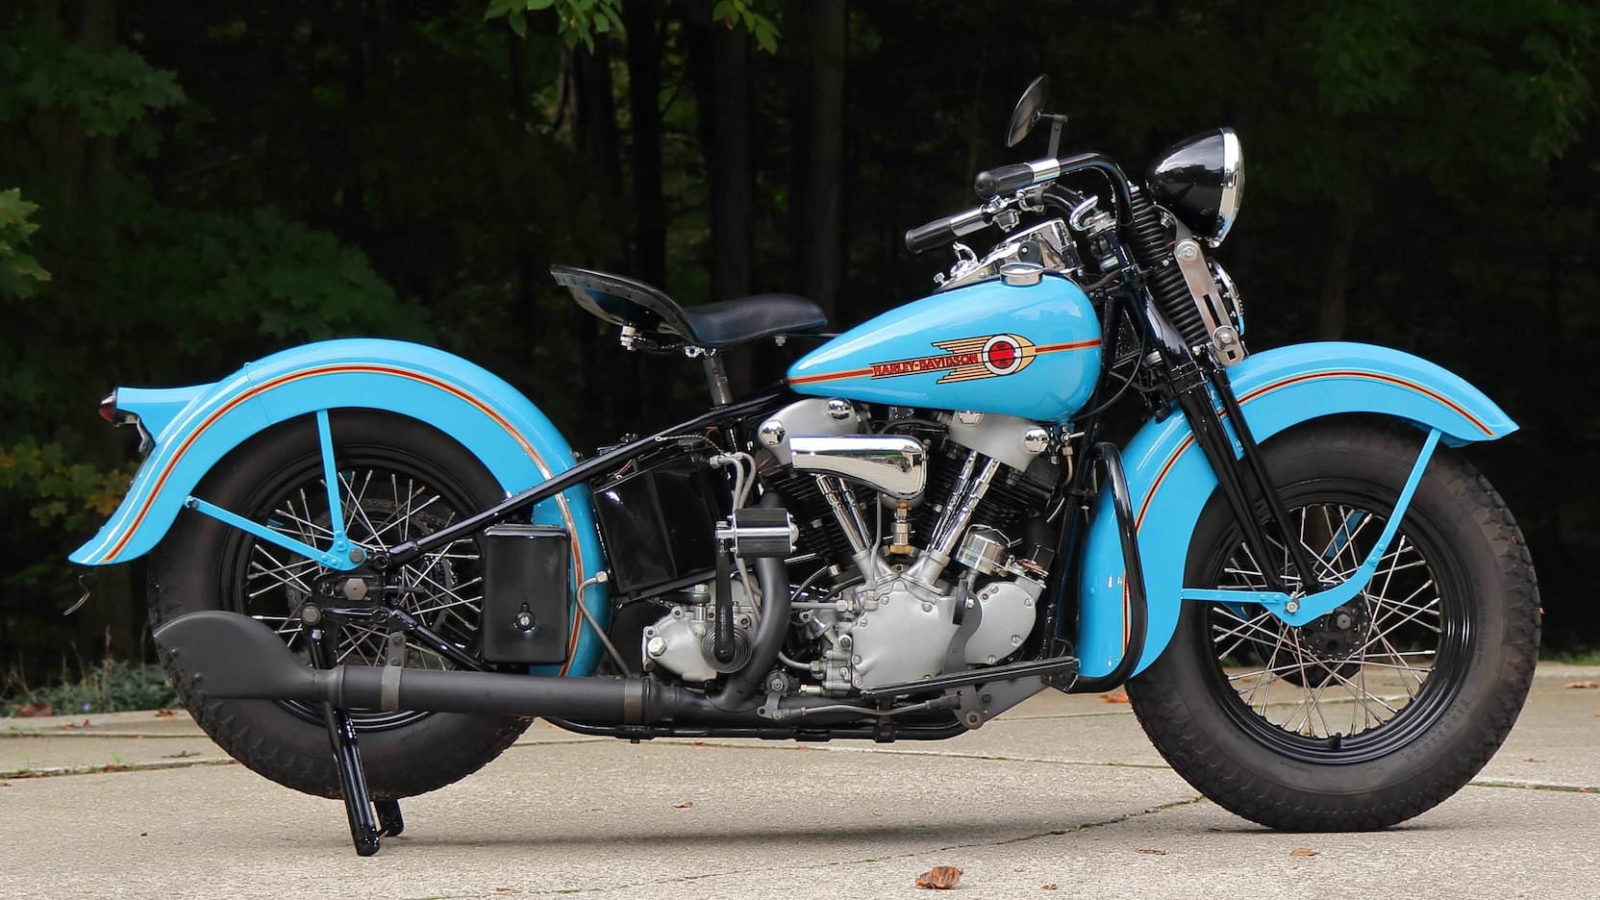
{"x": 1062, "y": 797}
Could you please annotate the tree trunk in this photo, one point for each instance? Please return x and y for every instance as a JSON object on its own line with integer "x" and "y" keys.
{"x": 1335, "y": 305}
{"x": 644, "y": 158}
{"x": 798, "y": 53}
{"x": 113, "y": 620}
{"x": 824, "y": 267}
{"x": 644, "y": 151}
{"x": 595, "y": 122}
{"x": 730, "y": 172}
{"x": 609, "y": 382}
{"x": 720, "y": 63}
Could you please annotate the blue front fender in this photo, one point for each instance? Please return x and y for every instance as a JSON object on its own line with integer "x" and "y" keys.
{"x": 1171, "y": 481}
{"x": 195, "y": 427}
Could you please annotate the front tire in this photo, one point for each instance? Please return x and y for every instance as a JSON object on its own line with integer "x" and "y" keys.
{"x": 1384, "y": 708}
{"x": 400, "y": 479}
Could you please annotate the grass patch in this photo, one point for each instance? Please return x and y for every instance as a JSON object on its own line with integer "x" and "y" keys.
{"x": 1586, "y": 657}
{"x": 111, "y": 685}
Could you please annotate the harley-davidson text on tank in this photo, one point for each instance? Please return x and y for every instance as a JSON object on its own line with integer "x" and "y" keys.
{"x": 1047, "y": 348}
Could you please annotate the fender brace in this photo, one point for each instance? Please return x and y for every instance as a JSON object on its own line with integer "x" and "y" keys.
{"x": 1316, "y": 596}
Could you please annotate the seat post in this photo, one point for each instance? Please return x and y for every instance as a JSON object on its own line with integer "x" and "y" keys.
{"x": 717, "y": 377}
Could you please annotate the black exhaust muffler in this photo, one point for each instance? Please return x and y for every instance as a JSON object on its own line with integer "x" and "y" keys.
{"x": 224, "y": 655}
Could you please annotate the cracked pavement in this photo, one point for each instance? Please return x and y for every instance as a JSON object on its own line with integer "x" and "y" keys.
{"x": 1061, "y": 797}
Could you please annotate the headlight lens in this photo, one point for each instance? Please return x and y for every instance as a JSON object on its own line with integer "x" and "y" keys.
{"x": 1201, "y": 180}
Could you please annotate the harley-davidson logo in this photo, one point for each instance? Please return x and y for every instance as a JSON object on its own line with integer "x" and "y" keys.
{"x": 966, "y": 359}
{"x": 963, "y": 359}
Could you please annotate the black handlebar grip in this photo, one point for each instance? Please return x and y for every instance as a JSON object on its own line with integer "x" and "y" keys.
{"x": 933, "y": 234}
{"x": 1003, "y": 180}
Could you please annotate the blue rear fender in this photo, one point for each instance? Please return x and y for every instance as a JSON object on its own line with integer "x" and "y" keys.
{"x": 195, "y": 427}
{"x": 1171, "y": 481}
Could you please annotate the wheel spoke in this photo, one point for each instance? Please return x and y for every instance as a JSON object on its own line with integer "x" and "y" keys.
{"x": 1376, "y": 659}
{"x": 381, "y": 507}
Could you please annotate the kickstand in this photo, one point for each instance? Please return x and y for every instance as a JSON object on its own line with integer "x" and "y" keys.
{"x": 358, "y": 805}
{"x": 389, "y": 816}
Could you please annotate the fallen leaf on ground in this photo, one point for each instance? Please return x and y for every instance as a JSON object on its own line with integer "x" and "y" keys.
{"x": 166, "y": 714}
{"x": 1047, "y": 887}
{"x": 1113, "y": 698}
{"x": 36, "y": 710}
{"x": 1302, "y": 851}
{"x": 684, "y": 805}
{"x": 1581, "y": 685}
{"x": 1151, "y": 852}
{"x": 939, "y": 878}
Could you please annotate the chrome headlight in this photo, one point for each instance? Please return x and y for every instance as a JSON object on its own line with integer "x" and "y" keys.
{"x": 1201, "y": 180}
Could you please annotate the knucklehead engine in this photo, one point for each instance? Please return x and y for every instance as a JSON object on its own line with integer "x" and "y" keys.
{"x": 924, "y": 537}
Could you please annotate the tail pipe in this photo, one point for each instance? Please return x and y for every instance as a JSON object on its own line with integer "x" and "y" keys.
{"x": 224, "y": 655}
{"x": 1133, "y": 576}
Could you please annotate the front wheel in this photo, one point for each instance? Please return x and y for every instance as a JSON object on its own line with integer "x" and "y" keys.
{"x": 1386, "y": 706}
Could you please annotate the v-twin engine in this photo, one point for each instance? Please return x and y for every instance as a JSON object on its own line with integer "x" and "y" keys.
{"x": 962, "y": 598}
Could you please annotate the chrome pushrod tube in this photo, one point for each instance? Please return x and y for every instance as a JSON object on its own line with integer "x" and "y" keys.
{"x": 845, "y": 511}
{"x": 970, "y": 486}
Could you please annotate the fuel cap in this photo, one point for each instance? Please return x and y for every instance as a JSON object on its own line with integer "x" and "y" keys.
{"x": 1021, "y": 274}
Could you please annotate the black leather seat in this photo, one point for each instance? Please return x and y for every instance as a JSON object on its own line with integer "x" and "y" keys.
{"x": 624, "y": 301}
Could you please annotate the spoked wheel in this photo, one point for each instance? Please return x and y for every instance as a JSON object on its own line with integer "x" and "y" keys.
{"x": 398, "y": 480}
{"x": 1326, "y": 689}
{"x": 1389, "y": 704}
{"x": 382, "y": 505}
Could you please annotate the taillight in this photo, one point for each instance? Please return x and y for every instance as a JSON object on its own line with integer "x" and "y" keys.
{"x": 109, "y": 412}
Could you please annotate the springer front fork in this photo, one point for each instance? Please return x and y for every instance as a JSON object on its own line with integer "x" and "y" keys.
{"x": 1243, "y": 477}
{"x": 1200, "y": 385}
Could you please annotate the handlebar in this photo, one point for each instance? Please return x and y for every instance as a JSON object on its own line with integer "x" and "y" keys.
{"x": 1010, "y": 179}
{"x": 944, "y": 230}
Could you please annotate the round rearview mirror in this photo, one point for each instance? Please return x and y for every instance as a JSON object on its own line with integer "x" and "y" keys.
{"x": 1029, "y": 106}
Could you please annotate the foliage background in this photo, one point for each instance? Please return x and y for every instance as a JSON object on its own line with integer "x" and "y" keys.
{"x": 184, "y": 187}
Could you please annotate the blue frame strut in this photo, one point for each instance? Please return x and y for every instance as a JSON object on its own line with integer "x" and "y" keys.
{"x": 330, "y": 478}
{"x": 339, "y": 554}
{"x": 1302, "y": 610}
{"x": 327, "y": 558}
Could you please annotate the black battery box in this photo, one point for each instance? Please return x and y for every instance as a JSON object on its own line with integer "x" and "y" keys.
{"x": 527, "y": 594}
{"x": 659, "y": 523}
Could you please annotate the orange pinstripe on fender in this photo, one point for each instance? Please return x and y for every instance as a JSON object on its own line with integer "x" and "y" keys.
{"x": 370, "y": 369}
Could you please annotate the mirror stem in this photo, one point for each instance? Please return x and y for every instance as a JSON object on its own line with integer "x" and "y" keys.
{"x": 1056, "y": 124}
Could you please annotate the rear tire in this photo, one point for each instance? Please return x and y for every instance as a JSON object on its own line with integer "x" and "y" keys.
{"x": 394, "y": 465}
{"x": 1389, "y": 705}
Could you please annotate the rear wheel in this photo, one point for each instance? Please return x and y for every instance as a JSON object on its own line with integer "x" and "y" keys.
{"x": 399, "y": 479}
{"x": 1384, "y": 707}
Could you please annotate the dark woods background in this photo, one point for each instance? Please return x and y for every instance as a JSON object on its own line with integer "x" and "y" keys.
{"x": 217, "y": 181}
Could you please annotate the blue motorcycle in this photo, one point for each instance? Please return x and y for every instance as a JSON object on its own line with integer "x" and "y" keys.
{"x": 373, "y": 561}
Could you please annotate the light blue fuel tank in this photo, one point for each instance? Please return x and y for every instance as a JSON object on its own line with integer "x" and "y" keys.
{"x": 1022, "y": 350}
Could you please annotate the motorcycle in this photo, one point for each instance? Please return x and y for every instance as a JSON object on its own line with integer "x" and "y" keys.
{"x": 374, "y": 562}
